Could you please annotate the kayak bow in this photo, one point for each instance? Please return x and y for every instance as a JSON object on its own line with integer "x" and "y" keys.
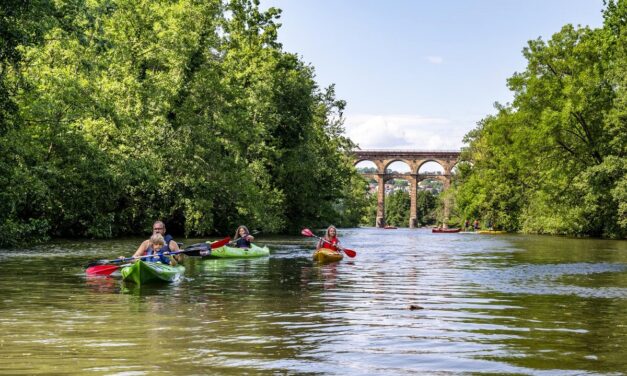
{"x": 142, "y": 272}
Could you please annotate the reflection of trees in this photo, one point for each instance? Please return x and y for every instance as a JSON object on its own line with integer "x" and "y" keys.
{"x": 565, "y": 328}
{"x": 264, "y": 308}
{"x": 555, "y": 332}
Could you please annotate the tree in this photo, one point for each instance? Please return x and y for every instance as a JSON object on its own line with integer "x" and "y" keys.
{"x": 553, "y": 160}
{"x": 397, "y": 208}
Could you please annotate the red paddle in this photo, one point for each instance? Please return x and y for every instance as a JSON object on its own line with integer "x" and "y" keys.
{"x": 102, "y": 269}
{"x": 307, "y": 232}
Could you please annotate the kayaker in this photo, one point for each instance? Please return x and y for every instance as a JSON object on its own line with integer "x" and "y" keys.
{"x": 158, "y": 228}
{"x": 332, "y": 242}
{"x": 243, "y": 237}
{"x": 475, "y": 225}
{"x": 157, "y": 247}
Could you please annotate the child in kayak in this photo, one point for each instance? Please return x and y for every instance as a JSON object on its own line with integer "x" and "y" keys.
{"x": 332, "y": 242}
{"x": 243, "y": 237}
{"x": 157, "y": 248}
{"x": 159, "y": 228}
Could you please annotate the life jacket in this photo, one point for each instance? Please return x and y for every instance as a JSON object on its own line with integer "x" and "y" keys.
{"x": 331, "y": 243}
{"x": 243, "y": 243}
{"x": 159, "y": 256}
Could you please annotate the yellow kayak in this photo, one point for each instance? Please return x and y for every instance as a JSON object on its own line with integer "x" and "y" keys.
{"x": 327, "y": 255}
{"x": 491, "y": 232}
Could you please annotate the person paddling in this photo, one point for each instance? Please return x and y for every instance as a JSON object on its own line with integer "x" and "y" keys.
{"x": 332, "y": 242}
{"x": 158, "y": 228}
{"x": 243, "y": 237}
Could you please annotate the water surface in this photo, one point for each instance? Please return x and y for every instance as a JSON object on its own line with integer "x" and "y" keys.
{"x": 492, "y": 304}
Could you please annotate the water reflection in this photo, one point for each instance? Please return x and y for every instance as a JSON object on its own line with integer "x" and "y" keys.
{"x": 492, "y": 304}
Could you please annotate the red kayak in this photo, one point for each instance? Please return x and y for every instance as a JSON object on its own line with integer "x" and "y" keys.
{"x": 389, "y": 227}
{"x": 445, "y": 230}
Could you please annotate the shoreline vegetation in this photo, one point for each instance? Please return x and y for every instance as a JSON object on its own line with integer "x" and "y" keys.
{"x": 117, "y": 113}
{"x": 554, "y": 161}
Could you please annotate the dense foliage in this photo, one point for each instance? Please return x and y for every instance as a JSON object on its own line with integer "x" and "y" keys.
{"x": 397, "y": 208}
{"x": 554, "y": 160}
{"x": 114, "y": 113}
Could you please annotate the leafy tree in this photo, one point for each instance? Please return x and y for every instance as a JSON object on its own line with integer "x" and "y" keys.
{"x": 553, "y": 160}
{"x": 127, "y": 111}
{"x": 426, "y": 203}
{"x": 397, "y": 208}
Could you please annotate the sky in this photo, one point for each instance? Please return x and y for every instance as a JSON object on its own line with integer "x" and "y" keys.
{"x": 420, "y": 74}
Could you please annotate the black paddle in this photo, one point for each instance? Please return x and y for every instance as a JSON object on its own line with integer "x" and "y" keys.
{"x": 188, "y": 250}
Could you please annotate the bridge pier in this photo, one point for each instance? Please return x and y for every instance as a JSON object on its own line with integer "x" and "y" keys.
{"x": 413, "y": 187}
{"x": 380, "y": 201}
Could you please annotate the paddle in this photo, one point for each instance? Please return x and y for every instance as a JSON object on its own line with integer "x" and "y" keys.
{"x": 349, "y": 252}
{"x": 253, "y": 232}
{"x": 216, "y": 244}
{"x": 202, "y": 249}
{"x": 102, "y": 269}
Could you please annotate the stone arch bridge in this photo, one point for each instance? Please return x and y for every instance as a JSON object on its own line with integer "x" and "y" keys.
{"x": 414, "y": 159}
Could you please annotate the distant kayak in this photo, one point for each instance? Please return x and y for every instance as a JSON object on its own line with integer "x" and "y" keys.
{"x": 390, "y": 227}
{"x": 445, "y": 230}
{"x": 142, "y": 272}
{"x": 324, "y": 255}
{"x": 491, "y": 232}
{"x": 235, "y": 252}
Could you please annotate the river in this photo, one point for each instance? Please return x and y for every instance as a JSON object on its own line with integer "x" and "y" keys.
{"x": 410, "y": 302}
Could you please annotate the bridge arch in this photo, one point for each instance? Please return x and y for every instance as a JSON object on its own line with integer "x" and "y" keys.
{"x": 414, "y": 159}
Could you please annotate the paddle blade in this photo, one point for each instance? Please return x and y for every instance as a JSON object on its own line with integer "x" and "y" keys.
{"x": 196, "y": 249}
{"x": 221, "y": 243}
{"x": 104, "y": 262}
{"x": 101, "y": 269}
{"x": 349, "y": 252}
{"x": 307, "y": 232}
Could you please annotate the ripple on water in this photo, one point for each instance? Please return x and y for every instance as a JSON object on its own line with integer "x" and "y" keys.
{"x": 506, "y": 304}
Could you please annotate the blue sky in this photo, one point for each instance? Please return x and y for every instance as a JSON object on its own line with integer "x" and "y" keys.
{"x": 420, "y": 74}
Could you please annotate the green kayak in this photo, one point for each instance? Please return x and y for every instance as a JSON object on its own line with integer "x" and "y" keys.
{"x": 234, "y": 252}
{"x": 142, "y": 272}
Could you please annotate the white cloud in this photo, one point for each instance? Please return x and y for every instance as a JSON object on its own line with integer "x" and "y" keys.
{"x": 435, "y": 59}
{"x": 412, "y": 132}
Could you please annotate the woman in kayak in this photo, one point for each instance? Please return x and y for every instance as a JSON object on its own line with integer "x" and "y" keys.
{"x": 243, "y": 237}
{"x": 330, "y": 240}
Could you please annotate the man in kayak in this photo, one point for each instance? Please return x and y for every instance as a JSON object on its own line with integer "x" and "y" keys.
{"x": 243, "y": 237}
{"x": 158, "y": 228}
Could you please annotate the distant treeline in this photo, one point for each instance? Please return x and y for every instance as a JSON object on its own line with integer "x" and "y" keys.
{"x": 114, "y": 113}
{"x": 555, "y": 160}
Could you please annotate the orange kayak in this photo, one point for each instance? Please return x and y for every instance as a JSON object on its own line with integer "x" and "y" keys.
{"x": 327, "y": 255}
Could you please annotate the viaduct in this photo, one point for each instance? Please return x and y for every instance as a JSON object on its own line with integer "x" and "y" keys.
{"x": 414, "y": 159}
